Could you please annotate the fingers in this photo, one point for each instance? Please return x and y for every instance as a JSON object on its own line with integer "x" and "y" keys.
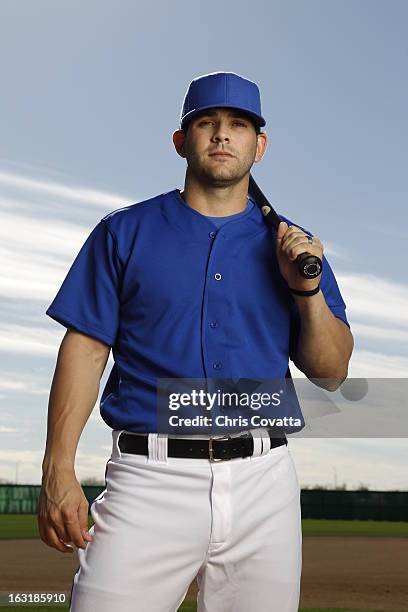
{"x": 63, "y": 512}
{"x": 73, "y": 528}
{"x": 295, "y": 242}
{"x": 293, "y": 233}
{"x": 297, "y": 245}
{"x": 83, "y": 521}
{"x": 282, "y": 228}
{"x": 50, "y": 537}
{"x": 60, "y": 529}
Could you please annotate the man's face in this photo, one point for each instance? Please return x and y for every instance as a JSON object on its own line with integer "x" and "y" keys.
{"x": 220, "y": 146}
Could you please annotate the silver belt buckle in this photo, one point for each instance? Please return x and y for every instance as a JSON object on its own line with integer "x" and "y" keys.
{"x": 211, "y": 451}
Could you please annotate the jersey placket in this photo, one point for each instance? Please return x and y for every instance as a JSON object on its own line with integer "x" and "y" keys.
{"x": 215, "y": 309}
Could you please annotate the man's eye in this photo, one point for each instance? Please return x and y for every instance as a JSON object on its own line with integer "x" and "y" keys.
{"x": 236, "y": 122}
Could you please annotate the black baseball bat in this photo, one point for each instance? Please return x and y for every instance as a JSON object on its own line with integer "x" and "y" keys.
{"x": 309, "y": 265}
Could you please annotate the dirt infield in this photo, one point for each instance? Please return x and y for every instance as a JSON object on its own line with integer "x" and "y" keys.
{"x": 337, "y": 572}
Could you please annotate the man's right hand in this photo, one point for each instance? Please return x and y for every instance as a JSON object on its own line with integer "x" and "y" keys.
{"x": 63, "y": 511}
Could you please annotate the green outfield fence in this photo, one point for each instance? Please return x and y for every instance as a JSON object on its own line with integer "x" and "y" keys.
{"x": 316, "y": 503}
{"x": 354, "y": 505}
{"x": 22, "y": 499}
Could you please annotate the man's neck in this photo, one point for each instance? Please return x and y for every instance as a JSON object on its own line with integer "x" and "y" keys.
{"x": 216, "y": 201}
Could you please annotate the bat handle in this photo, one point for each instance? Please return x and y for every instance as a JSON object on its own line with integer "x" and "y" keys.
{"x": 309, "y": 266}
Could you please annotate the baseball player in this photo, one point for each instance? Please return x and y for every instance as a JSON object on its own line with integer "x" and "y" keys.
{"x": 188, "y": 284}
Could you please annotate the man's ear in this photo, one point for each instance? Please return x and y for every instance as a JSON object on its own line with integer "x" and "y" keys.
{"x": 261, "y": 146}
{"x": 179, "y": 138}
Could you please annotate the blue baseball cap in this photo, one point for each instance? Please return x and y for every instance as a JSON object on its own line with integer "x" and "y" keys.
{"x": 222, "y": 89}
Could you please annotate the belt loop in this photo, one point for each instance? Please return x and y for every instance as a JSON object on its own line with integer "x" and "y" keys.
{"x": 157, "y": 447}
{"x": 262, "y": 442}
{"x": 162, "y": 447}
{"x": 116, "y": 454}
{"x": 257, "y": 445}
{"x": 266, "y": 441}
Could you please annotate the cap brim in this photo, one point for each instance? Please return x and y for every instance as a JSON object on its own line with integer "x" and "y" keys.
{"x": 260, "y": 121}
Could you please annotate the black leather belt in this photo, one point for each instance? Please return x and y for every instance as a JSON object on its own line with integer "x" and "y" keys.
{"x": 214, "y": 449}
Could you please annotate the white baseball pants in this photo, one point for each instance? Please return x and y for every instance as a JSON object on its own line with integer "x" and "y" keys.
{"x": 162, "y": 521}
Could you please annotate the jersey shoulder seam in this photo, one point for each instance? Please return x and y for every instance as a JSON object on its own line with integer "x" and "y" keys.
{"x": 114, "y": 239}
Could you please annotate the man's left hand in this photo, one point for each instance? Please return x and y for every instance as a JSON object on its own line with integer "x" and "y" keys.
{"x": 291, "y": 242}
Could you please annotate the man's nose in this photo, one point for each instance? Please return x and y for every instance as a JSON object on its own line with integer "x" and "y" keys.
{"x": 220, "y": 133}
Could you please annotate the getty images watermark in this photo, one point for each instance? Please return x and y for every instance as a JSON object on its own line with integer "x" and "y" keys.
{"x": 236, "y": 402}
{"x": 357, "y": 408}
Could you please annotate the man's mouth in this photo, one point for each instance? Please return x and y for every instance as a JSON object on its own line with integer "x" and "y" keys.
{"x": 220, "y": 154}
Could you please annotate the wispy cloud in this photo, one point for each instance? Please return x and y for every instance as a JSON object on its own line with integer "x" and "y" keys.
{"x": 71, "y": 193}
{"x": 361, "y": 293}
{"x": 398, "y": 335}
{"x": 44, "y": 224}
{"x": 30, "y": 340}
{"x": 332, "y": 250}
{"x": 369, "y": 364}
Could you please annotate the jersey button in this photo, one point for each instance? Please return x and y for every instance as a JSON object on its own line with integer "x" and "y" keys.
{"x": 217, "y": 365}
{"x": 212, "y": 234}
{"x": 217, "y": 276}
{"x": 214, "y": 324}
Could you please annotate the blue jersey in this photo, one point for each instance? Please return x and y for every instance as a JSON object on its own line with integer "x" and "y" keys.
{"x": 175, "y": 296}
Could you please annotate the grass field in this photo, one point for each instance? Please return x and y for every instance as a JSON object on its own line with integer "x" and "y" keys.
{"x": 372, "y": 529}
{"x": 21, "y": 526}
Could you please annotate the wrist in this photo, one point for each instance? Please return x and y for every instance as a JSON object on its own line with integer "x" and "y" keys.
{"x": 57, "y": 464}
{"x": 305, "y": 292}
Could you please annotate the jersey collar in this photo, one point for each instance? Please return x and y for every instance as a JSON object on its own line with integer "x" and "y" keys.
{"x": 198, "y": 226}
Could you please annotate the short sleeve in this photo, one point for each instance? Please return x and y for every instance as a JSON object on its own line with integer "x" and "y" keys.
{"x": 89, "y": 297}
{"x": 331, "y": 292}
{"x": 334, "y": 300}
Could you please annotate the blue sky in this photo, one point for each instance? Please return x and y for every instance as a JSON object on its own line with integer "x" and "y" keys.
{"x": 91, "y": 93}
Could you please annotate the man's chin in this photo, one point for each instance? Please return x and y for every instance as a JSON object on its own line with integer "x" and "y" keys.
{"x": 222, "y": 178}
